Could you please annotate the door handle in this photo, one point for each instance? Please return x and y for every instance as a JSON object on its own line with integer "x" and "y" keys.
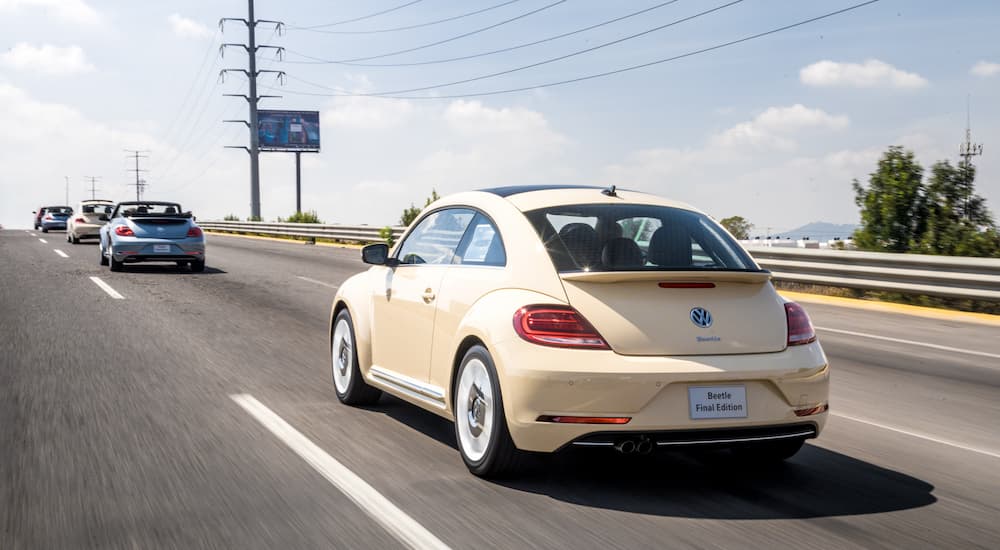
{"x": 428, "y": 296}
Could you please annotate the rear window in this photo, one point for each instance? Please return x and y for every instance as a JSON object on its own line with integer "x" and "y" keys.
{"x": 96, "y": 209}
{"x": 604, "y": 237}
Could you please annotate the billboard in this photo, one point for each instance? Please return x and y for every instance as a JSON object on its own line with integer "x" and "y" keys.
{"x": 288, "y": 130}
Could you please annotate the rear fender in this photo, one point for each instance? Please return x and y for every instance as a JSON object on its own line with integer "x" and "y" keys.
{"x": 491, "y": 321}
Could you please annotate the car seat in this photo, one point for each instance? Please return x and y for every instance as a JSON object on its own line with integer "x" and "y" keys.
{"x": 621, "y": 253}
{"x": 582, "y": 243}
{"x": 670, "y": 246}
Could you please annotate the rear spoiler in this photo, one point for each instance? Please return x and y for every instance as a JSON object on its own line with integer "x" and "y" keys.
{"x": 746, "y": 277}
{"x": 169, "y": 216}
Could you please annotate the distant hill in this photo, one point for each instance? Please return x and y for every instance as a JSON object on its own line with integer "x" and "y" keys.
{"x": 821, "y": 231}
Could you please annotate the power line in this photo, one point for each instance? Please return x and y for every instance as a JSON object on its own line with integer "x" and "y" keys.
{"x": 417, "y": 26}
{"x": 446, "y": 40}
{"x": 93, "y": 186}
{"x": 140, "y": 184}
{"x": 197, "y": 77}
{"x": 558, "y": 58}
{"x": 362, "y": 18}
{"x": 317, "y": 61}
{"x": 606, "y": 73}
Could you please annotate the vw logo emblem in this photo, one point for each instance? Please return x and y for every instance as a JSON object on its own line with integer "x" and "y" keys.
{"x": 701, "y": 317}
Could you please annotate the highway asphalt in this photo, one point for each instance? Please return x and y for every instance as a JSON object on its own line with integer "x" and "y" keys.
{"x": 118, "y": 429}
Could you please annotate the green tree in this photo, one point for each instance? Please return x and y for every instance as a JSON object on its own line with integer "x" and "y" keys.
{"x": 739, "y": 226}
{"x": 893, "y": 206}
{"x": 231, "y": 218}
{"x": 412, "y": 212}
{"x": 958, "y": 222}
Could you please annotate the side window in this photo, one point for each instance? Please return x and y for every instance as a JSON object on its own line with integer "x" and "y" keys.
{"x": 435, "y": 239}
{"x": 481, "y": 245}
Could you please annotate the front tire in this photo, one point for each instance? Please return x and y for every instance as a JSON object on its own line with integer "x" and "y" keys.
{"x": 480, "y": 424}
{"x": 347, "y": 380}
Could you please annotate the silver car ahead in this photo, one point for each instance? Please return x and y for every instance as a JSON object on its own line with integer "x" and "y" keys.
{"x": 150, "y": 231}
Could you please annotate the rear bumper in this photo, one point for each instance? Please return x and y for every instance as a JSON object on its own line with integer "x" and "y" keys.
{"x": 146, "y": 250}
{"x": 53, "y": 225}
{"x": 85, "y": 230}
{"x": 652, "y": 392}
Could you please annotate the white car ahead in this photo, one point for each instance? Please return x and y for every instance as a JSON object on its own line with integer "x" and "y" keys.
{"x": 86, "y": 222}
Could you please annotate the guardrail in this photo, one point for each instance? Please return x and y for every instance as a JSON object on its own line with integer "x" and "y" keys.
{"x": 940, "y": 276}
{"x": 347, "y": 233}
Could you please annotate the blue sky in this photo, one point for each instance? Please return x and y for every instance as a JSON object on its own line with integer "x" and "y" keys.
{"x": 773, "y": 129}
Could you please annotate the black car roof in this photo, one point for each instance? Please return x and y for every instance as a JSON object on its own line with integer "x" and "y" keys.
{"x": 509, "y": 190}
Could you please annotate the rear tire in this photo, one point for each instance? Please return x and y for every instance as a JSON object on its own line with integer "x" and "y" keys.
{"x": 350, "y": 386}
{"x": 480, "y": 424}
{"x": 104, "y": 259}
{"x": 198, "y": 266}
{"x": 45, "y": 230}
{"x": 769, "y": 452}
{"x": 115, "y": 264}
{"x": 74, "y": 239}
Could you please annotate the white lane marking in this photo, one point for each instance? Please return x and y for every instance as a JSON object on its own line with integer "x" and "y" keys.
{"x": 911, "y": 342}
{"x": 107, "y": 288}
{"x": 391, "y": 518}
{"x": 314, "y": 281}
{"x": 61, "y": 253}
{"x": 33, "y": 234}
{"x": 919, "y": 435}
{"x": 44, "y": 241}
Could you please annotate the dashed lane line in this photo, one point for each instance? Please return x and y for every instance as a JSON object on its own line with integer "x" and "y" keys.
{"x": 60, "y": 252}
{"x": 44, "y": 241}
{"x": 392, "y": 519}
{"x": 911, "y": 342}
{"x": 107, "y": 288}
{"x": 919, "y": 435}
{"x": 314, "y": 281}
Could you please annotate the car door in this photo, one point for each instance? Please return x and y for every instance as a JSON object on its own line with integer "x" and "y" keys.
{"x": 404, "y": 303}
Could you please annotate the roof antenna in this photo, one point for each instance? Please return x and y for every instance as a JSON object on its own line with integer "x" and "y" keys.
{"x": 609, "y": 191}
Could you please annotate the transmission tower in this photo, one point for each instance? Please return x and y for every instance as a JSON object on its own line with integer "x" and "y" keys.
{"x": 93, "y": 186}
{"x": 140, "y": 184}
{"x": 251, "y": 72}
{"x": 967, "y": 150}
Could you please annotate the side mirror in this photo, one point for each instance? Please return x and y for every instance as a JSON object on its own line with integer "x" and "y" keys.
{"x": 103, "y": 218}
{"x": 377, "y": 254}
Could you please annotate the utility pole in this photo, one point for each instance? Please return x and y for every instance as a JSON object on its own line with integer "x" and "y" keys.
{"x": 67, "y": 190}
{"x": 967, "y": 150}
{"x": 139, "y": 184}
{"x": 93, "y": 186}
{"x": 252, "y": 73}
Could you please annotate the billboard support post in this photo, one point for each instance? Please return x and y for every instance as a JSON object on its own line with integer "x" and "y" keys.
{"x": 298, "y": 181}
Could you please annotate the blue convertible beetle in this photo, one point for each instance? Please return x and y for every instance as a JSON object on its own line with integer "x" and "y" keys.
{"x": 150, "y": 231}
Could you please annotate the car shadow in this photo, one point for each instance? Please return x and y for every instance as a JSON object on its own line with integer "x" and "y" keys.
{"x": 815, "y": 483}
{"x": 168, "y": 269}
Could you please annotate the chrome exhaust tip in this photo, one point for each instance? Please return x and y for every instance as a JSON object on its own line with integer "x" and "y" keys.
{"x": 625, "y": 446}
{"x": 644, "y": 447}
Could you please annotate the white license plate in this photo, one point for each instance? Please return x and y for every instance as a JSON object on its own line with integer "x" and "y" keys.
{"x": 717, "y": 401}
{"x": 161, "y": 248}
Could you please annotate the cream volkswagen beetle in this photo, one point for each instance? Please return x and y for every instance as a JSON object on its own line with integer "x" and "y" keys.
{"x": 541, "y": 317}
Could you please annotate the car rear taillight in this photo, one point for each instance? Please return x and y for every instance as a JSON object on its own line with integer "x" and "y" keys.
{"x": 124, "y": 231}
{"x": 558, "y": 326}
{"x": 194, "y": 232}
{"x": 49, "y": 217}
{"x": 800, "y": 328}
{"x": 80, "y": 220}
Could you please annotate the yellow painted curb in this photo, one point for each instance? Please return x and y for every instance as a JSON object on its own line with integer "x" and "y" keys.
{"x": 888, "y": 307}
{"x": 280, "y": 240}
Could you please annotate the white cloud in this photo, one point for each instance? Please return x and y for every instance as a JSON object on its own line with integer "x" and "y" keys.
{"x": 870, "y": 74}
{"x": 46, "y": 59}
{"x": 185, "y": 27}
{"x": 475, "y": 120}
{"x": 775, "y": 127}
{"x": 368, "y": 113}
{"x": 985, "y": 69}
{"x": 77, "y": 11}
